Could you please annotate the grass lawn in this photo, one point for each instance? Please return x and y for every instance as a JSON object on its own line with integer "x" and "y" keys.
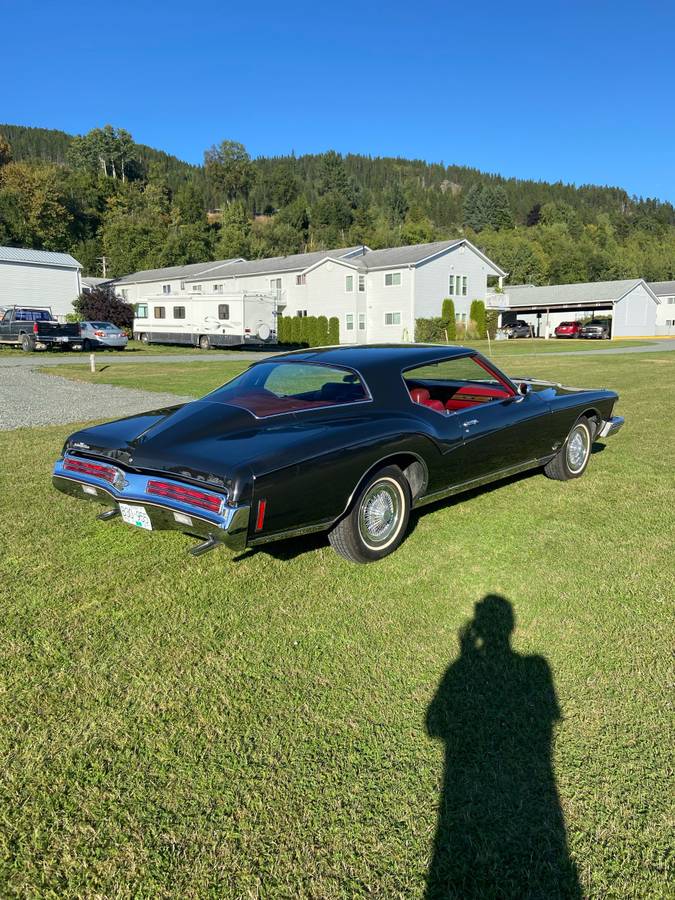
{"x": 259, "y": 727}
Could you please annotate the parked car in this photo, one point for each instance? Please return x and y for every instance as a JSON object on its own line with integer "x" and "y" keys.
{"x": 345, "y": 440}
{"x": 598, "y": 329}
{"x": 518, "y": 329}
{"x": 102, "y": 336}
{"x": 568, "y": 330}
{"x": 35, "y": 328}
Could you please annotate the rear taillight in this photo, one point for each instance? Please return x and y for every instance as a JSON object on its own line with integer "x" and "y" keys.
{"x": 35, "y": 328}
{"x": 99, "y": 333}
{"x": 189, "y": 496}
{"x": 96, "y": 470}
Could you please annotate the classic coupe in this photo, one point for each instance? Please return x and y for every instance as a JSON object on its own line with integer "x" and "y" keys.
{"x": 343, "y": 439}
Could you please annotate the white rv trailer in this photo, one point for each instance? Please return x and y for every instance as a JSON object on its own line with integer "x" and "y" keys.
{"x": 226, "y": 320}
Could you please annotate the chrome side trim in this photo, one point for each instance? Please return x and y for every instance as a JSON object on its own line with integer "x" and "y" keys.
{"x": 291, "y": 533}
{"x": 478, "y": 482}
{"x": 611, "y": 426}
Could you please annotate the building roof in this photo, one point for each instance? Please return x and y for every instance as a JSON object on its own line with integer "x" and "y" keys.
{"x": 663, "y": 288}
{"x": 566, "y": 294}
{"x": 193, "y": 270}
{"x": 296, "y": 262}
{"x": 38, "y": 258}
{"x": 403, "y": 256}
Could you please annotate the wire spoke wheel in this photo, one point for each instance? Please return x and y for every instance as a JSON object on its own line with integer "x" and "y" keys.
{"x": 578, "y": 447}
{"x": 380, "y": 513}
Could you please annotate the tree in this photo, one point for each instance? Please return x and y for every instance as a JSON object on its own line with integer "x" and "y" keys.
{"x": 235, "y": 233}
{"x": 331, "y": 218}
{"x": 395, "y": 204}
{"x": 229, "y": 171}
{"x": 296, "y": 330}
{"x": 108, "y": 150}
{"x": 5, "y": 151}
{"x": 188, "y": 203}
{"x": 500, "y": 212}
{"x": 102, "y": 305}
{"x": 448, "y": 317}
{"x": 32, "y": 211}
{"x": 333, "y": 331}
{"x": 333, "y": 177}
{"x": 322, "y": 331}
{"x": 475, "y": 208}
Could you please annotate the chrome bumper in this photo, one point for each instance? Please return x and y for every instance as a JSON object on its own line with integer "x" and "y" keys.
{"x": 229, "y": 526}
{"x": 611, "y": 426}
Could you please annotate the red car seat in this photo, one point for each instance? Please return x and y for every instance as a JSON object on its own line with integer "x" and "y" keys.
{"x": 423, "y": 397}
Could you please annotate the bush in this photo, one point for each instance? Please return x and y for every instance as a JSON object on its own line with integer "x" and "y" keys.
{"x": 304, "y": 330}
{"x": 430, "y": 331}
{"x": 491, "y": 321}
{"x": 296, "y": 330}
{"x": 102, "y": 305}
{"x": 477, "y": 316}
{"x": 448, "y": 317}
{"x": 333, "y": 330}
{"x": 322, "y": 329}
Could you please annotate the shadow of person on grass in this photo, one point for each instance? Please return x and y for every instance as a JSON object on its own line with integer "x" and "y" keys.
{"x": 500, "y": 830}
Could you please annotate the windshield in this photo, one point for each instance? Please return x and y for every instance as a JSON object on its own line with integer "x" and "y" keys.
{"x": 273, "y": 388}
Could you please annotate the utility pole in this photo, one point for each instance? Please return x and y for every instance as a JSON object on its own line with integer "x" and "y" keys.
{"x": 103, "y": 261}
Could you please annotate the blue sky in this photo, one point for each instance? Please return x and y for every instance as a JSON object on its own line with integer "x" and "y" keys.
{"x": 575, "y": 91}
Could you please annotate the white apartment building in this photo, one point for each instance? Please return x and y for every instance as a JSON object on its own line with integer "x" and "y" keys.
{"x": 376, "y": 294}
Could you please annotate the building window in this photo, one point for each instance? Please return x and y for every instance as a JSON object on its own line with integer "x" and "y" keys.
{"x": 670, "y": 322}
{"x": 275, "y": 284}
{"x": 392, "y": 279}
{"x": 671, "y": 299}
{"x": 217, "y": 289}
{"x": 223, "y": 310}
{"x": 362, "y": 284}
{"x": 457, "y": 285}
{"x": 141, "y": 310}
{"x": 392, "y": 318}
{"x": 179, "y": 312}
{"x": 196, "y": 288}
{"x": 349, "y": 283}
{"x": 301, "y": 279}
{"x": 182, "y": 285}
{"x": 160, "y": 312}
{"x": 362, "y": 321}
{"x": 301, "y": 313}
{"x": 349, "y": 321}
{"x": 166, "y": 288}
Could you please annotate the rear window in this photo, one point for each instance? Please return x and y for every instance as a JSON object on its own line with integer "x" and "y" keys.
{"x": 33, "y": 315}
{"x": 104, "y": 326}
{"x": 566, "y": 324}
{"x": 273, "y": 388}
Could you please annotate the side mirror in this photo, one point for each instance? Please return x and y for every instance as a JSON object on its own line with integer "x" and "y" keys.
{"x": 524, "y": 388}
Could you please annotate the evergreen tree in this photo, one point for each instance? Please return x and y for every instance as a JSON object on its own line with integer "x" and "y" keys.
{"x": 322, "y": 331}
{"x": 5, "y": 151}
{"x": 235, "y": 233}
{"x": 333, "y": 331}
{"x": 477, "y": 315}
{"x": 229, "y": 171}
{"x": 448, "y": 318}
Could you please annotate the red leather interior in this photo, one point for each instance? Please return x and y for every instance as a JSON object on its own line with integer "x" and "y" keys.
{"x": 474, "y": 395}
{"x": 420, "y": 395}
{"x": 435, "y": 404}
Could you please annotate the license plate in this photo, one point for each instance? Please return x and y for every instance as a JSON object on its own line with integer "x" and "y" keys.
{"x": 136, "y": 515}
{"x": 62, "y": 340}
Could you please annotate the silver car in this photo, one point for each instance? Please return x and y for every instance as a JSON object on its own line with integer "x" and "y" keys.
{"x": 102, "y": 336}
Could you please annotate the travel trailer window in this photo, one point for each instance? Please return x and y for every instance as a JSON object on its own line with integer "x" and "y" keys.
{"x": 141, "y": 310}
{"x": 179, "y": 312}
{"x": 223, "y": 310}
{"x": 160, "y": 312}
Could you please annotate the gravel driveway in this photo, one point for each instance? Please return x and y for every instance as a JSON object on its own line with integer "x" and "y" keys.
{"x": 28, "y": 398}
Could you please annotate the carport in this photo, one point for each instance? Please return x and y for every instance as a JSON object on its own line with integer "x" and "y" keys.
{"x": 630, "y": 304}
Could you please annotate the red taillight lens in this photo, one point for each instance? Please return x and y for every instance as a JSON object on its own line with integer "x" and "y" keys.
{"x": 35, "y": 327}
{"x": 260, "y": 519}
{"x": 84, "y": 467}
{"x": 99, "y": 333}
{"x": 190, "y": 496}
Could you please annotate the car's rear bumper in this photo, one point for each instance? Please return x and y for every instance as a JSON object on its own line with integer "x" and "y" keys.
{"x": 611, "y": 426}
{"x": 229, "y": 526}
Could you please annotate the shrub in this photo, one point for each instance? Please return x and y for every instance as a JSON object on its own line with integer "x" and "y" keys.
{"x": 491, "y": 321}
{"x": 296, "y": 330}
{"x": 333, "y": 330}
{"x": 448, "y": 317}
{"x": 313, "y": 338}
{"x": 102, "y": 305}
{"x": 477, "y": 316}
{"x": 322, "y": 331}
{"x": 430, "y": 331}
{"x": 281, "y": 329}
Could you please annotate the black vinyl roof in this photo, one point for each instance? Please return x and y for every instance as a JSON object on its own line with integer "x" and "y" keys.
{"x": 374, "y": 357}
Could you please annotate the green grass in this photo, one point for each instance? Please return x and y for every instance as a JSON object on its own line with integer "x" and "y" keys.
{"x": 255, "y": 727}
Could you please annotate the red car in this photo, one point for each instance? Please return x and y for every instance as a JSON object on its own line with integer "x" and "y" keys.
{"x": 568, "y": 330}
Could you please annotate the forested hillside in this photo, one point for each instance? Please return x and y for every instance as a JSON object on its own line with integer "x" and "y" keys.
{"x": 103, "y": 195}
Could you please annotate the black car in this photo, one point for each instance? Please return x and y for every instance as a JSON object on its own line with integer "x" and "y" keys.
{"x": 344, "y": 439}
{"x": 518, "y": 329}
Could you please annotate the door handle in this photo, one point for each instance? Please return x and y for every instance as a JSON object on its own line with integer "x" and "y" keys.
{"x": 470, "y": 422}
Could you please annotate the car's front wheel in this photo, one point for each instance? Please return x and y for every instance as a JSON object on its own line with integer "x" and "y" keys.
{"x": 572, "y": 458}
{"x": 377, "y": 521}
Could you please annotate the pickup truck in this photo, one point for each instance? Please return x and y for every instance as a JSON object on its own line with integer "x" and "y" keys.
{"x": 35, "y": 328}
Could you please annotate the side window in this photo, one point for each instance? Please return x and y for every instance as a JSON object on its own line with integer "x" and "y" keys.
{"x": 349, "y": 321}
{"x": 392, "y": 279}
{"x": 349, "y": 283}
{"x": 455, "y": 384}
{"x": 160, "y": 312}
{"x": 223, "y": 310}
{"x": 141, "y": 310}
{"x": 179, "y": 312}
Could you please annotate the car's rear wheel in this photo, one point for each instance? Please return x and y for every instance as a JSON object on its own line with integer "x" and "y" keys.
{"x": 27, "y": 343}
{"x": 377, "y": 520}
{"x": 572, "y": 458}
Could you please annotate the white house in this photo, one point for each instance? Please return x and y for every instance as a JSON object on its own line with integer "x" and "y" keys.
{"x": 665, "y": 314}
{"x": 630, "y": 303}
{"x": 376, "y": 294}
{"x": 39, "y": 278}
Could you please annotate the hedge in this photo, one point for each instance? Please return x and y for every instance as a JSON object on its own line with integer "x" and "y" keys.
{"x": 308, "y": 331}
